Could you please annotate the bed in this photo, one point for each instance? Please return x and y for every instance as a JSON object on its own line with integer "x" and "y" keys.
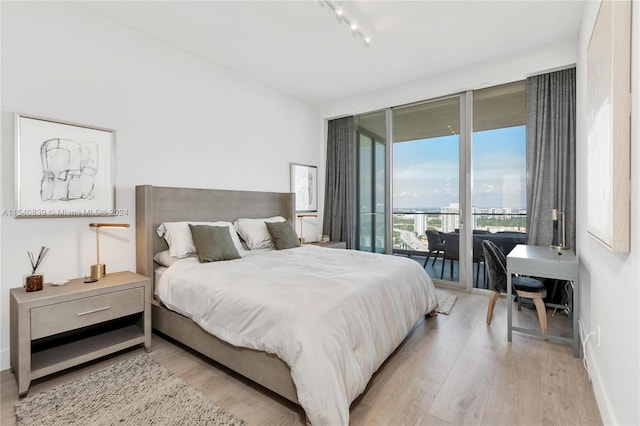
{"x": 321, "y": 363}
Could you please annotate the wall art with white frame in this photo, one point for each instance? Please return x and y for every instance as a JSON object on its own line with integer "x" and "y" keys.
{"x": 608, "y": 121}
{"x": 304, "y": 183}
{"x": 63, "y": 169}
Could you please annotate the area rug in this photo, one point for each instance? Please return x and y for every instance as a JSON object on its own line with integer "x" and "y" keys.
{"x": 445, "y": 303}
{"x": 137, "y": 391}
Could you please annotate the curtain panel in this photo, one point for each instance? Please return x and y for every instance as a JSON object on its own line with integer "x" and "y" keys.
{"x": 551, "y": 155}
{"x": 339, "y": 195}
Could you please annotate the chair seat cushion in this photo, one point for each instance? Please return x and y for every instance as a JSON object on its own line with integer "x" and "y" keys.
{"x": 527, "y": 284}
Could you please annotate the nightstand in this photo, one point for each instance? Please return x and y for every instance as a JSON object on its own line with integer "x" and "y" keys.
{"x": 63, "y": 326}
{"x": 329, "y": 244}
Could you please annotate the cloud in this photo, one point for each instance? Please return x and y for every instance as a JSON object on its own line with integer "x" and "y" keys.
{"x": 406, "y": 195}
{"x": 485, "y": 188}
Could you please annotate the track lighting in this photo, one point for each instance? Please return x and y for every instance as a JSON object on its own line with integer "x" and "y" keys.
{"x": 342, "y": 16}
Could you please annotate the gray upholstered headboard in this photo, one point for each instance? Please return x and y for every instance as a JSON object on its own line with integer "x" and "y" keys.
{"x": 155, "y": 205}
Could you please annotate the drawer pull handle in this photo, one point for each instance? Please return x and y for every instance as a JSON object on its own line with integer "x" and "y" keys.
{"x": 94, "y": 311}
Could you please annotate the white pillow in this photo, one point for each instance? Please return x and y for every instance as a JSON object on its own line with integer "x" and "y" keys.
{"x": 164, "y": 258}
{"x": 178, "y": 237}
{"x": 255, "y": 233}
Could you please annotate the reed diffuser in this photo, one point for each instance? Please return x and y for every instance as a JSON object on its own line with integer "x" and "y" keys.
{"x": 33, "y": 282}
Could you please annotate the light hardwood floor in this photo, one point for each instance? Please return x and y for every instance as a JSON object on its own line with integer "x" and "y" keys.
{"x": 451, "y": 370}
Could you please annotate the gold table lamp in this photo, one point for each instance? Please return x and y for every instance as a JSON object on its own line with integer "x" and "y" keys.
{"x": 302, "y": 217}
{"x": 99, "y": 270}
{"x": 562, "y": 244}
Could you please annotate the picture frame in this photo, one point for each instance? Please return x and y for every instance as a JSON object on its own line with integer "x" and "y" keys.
{"x": 63, "y": 169}
{"x": 608, "y": 141}
{"x": 304, "y": 183}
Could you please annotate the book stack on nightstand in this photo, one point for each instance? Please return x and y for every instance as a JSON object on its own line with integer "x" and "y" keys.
{"x": 329, "y": 244}
{"x": 63, "y": 326}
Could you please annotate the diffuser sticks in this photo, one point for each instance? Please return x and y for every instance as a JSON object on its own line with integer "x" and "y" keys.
{"x": 36, "y": 262}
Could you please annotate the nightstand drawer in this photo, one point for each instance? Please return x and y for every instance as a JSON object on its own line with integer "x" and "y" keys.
{"x": 60, "y": 317}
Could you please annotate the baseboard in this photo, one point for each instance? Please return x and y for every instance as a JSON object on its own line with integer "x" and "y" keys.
{"x": 602, "y": 397}
{"x": 5, "y": 362}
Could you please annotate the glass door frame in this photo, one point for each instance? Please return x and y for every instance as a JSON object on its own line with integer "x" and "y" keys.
{"x": 466, "y": 189}
{"x": 465, "y": 266}
{"x": 466, "y": 182}
{"x": 387, "y": 184}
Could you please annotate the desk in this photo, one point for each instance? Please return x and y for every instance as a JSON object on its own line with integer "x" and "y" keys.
{"x": 544, "y": 262}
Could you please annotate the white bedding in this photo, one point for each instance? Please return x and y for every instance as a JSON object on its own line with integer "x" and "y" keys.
{"x": 332, "y": 315}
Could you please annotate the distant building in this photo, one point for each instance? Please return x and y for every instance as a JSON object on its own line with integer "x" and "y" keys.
{"x": 474, "y": 217}
{"x": 451, "y": 218}
{"x": 420, "y": 223}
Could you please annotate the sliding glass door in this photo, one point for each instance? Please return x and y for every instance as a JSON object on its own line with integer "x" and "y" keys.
{"x": 498, "y": 171}
{"x": 371, "y": 182}
{"x": 456, "y": 167}
{"x": 427, "y": 203}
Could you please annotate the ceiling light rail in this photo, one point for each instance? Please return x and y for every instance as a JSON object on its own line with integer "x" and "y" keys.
{"x": 341, "y": 15}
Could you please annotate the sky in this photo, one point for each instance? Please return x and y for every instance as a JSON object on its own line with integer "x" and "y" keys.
{"x": 426, "y": 172}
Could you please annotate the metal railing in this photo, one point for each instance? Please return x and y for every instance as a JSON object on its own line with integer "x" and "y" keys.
{"x": 409, "y": 235}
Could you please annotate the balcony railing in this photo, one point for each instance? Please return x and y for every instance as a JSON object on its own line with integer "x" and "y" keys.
{"x": 409, "y": 234}
{"x": 409, "y": 237}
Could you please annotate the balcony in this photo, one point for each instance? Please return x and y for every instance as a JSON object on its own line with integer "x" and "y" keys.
{"x": 505, "y": 226}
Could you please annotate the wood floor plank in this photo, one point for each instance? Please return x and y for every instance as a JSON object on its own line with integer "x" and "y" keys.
{"x": 463, "y": 397}
{"x": 451, "y": 370}
{"x": 515, "y": 394}
{"x": 568, "y": 397}
{"x": 401, "y": 390}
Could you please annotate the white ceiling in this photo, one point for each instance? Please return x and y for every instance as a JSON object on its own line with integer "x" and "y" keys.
{"x": 301, "y": 49}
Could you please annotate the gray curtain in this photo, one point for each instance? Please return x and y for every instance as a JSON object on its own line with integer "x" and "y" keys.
{"x": 339, "y": 195}
{"x": 551, "y": 155}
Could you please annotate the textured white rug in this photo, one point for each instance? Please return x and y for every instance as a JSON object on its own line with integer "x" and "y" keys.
{"x": 445, "y": 303}
{"x": 137, "y": 391}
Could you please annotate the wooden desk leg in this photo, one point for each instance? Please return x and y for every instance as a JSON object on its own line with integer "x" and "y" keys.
{"x": 509, "y": 305}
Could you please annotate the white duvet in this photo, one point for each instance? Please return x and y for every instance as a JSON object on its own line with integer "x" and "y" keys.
{"x": 332, "y": 315}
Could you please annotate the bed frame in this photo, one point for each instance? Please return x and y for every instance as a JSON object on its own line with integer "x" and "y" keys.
{"x": 155, "y": 205}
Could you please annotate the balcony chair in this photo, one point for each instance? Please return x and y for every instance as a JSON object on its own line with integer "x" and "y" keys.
{"x": 451, "y": 252}
{"x": 525, "y": 287}
{"x": 436, "y": 245}
{"x": 478, "y": 258}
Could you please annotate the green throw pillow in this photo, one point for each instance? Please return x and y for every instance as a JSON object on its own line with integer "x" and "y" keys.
{"x": 213, "y": 243}
{"x": 283, "y": 235}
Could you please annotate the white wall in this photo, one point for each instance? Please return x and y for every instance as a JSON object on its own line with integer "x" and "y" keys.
{"x": 491, "y": 73}
{"x": 610, "y": 282}
{"x": 179, "y": 121}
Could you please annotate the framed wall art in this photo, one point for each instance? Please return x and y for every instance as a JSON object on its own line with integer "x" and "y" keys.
{"x": 304, "y": 183}
{"x": 608, "y": 126}
{"x": 63, "y": 169}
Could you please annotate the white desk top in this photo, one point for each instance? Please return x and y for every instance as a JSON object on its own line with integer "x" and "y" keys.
{"x": 542, "y": 253}
{"x": 545, "y": 261}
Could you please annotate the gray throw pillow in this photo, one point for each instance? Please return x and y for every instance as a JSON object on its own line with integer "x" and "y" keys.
{"x": 283, "y": 235}
{"x": 213, "y": 243}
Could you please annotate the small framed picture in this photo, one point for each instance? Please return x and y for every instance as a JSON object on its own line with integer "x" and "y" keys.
{"x": 304, "y": 183}
{"x": 63, "y": 169}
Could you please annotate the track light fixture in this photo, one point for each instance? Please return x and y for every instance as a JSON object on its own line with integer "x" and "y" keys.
{"x": 342, "y": 16}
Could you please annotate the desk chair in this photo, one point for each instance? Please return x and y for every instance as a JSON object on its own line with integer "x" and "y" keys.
{"x": 530, "y": 288}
